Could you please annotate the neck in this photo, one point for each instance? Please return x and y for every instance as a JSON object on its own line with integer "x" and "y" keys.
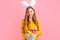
{"x": 30, "y": 18}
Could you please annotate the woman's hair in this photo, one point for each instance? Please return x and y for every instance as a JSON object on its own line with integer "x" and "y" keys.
{"x": 26, "y": 18}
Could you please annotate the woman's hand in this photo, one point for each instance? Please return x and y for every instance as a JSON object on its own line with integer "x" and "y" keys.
{"x": 34, "y": 30}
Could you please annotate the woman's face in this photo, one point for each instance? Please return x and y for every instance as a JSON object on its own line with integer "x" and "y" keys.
{"x": 30, "y": 11}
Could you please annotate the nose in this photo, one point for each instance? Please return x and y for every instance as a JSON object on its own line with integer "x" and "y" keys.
{"x": 30, "y": 11}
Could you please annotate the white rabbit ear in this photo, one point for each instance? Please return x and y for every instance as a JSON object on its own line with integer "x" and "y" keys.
{"x": 25, "y": 3}
{"x": 32, "y": 2}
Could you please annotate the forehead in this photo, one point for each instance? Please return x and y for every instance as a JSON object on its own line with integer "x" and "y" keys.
{"x": 30, "y": 9}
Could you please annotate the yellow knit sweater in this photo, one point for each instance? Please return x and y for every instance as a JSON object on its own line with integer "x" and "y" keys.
{"x": 32, "y": 25}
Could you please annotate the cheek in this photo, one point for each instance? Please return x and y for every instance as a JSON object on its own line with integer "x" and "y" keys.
{"x": 32, "y": 13}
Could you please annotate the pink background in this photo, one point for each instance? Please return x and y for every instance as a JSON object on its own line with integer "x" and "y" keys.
{"x": 12, "y": 12}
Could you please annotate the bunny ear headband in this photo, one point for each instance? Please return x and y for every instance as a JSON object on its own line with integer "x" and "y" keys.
{"x": 32, "y": 3}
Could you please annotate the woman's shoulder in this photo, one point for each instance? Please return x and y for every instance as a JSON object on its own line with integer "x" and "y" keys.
{"x": 22, "y": 20}
{"x": 38, "y": 19}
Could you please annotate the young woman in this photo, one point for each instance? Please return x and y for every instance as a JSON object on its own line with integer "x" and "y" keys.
{"x": 30, "y": 26}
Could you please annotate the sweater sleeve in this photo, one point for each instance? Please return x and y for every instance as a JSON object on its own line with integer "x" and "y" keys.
{"x": 22, "y": 30}
{"x": 39, "y": 27}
